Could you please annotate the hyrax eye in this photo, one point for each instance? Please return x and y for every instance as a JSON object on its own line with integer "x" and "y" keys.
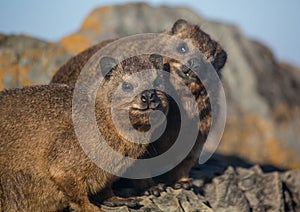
{"x": 126, "y": 86}
{"x": 182, "y": 48}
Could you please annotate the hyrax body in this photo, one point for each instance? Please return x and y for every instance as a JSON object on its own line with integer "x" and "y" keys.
{"x": 42, "y": 165}
{"x": 212, "y": 52}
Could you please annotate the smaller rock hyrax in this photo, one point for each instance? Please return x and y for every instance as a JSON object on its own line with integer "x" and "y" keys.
{"x": 42, "y": 165}
{"x": 212, "y": 53}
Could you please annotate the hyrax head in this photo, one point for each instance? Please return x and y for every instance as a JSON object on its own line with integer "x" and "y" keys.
{"x": 134, "y": 89}
{"x": 209, "y": 54}
{"x": 192, "y": 37}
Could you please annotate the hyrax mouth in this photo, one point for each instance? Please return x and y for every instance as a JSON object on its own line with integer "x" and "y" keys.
{"x": 143, "y": 105}
{"x": 191, "y": 69}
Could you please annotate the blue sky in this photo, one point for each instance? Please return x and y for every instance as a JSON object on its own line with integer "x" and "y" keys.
{"x": 275, "y": 22}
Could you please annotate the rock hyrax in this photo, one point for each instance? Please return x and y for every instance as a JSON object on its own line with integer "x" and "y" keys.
{"x": 212, "y": 53}
{"x": 42, "y": 165}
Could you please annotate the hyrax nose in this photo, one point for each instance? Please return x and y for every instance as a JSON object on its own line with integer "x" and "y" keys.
{"x": 149, "y": 98}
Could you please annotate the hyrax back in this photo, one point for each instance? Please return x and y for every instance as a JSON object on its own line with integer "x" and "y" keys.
{"x": 42, "y": 165}
{"x": 69, "y": 72}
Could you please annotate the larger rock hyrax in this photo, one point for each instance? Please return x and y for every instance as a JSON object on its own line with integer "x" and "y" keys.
{"x": 42, "y": 165}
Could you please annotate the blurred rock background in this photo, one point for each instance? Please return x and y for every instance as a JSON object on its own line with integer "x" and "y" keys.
{"x": 263, "y": 122}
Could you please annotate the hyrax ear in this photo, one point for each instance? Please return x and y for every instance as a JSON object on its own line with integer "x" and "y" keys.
{"x": 157, "y": 61}
{"x": 179, "y": 26}
{"x": 167, "y": 67}
{"x": 220, "y": 61}
{"x": 107, "y": 63}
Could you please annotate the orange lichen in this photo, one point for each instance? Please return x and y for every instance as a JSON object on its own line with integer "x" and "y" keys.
{"x": 75, "y": 43}
{"x": 8, "y": 67}
{"x": 278, "y": 154}
{"x": 282, "y": 113}
{"x": 23, "y": 76}
{"x": 93, "y": 20}
{"x": 29, "y": 66}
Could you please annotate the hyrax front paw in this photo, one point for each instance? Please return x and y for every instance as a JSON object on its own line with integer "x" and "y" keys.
{"x": 156, "y": 190}
{"x": 184, "y": 183}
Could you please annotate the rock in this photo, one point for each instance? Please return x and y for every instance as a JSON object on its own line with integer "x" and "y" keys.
{"x": 27, "y": 61}
{"x": 223, "y": 194}
{"x": 171, "y": 200}
{"x": 252, "y": 190}
{"x": 291, "y": 181}
{"x": 269, "y": 196}
{"x": 219, "y": 187}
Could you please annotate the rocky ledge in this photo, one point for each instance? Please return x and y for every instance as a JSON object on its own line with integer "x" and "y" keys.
{"x": 219, "y": 187}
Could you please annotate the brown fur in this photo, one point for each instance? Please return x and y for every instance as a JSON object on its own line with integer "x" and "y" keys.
{"x": 42, "y": 165}
{"x": 213, "y": 53}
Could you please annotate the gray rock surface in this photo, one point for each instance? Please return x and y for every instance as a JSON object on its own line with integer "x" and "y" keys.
{"x": 26, "y": 61}
{"x": 219, "y": 187}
